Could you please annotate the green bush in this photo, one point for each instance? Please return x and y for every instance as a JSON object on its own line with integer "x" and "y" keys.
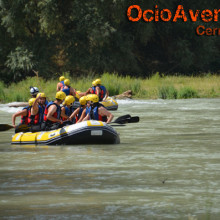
{"x": 2, "y": 94}
{"x": 187, "y": 93}
{"x": 167, "y": 92}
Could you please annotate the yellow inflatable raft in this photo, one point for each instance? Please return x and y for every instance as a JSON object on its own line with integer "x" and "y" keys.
{"x": 87, "y": 132}
{"x": 110, "y": 104}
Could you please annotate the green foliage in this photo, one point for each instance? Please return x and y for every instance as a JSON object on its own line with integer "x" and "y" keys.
{"x": 187, "y": 93}
{"x": 167, "y": 92}
{"x": 20, "y": 59}
{"x": 2, "y": 94}
{"x": 141, "y": 88}
{"x": 93, "y": 37}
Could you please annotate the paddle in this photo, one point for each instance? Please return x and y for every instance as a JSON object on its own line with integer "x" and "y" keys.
{"x": 122, "y": 118}
{"x": 134, "y": 119}
{"x": 126, "y": 119}
{"x": 19, "y": 128}
{"x": 5, "y": 127}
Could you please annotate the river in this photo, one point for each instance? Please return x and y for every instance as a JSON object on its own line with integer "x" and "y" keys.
{"x": 166, "y": 167}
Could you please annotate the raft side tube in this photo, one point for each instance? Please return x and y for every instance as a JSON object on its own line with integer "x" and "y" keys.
{"x": 87, "y": 132}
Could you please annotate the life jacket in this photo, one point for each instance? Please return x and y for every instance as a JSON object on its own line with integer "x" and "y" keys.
{"x": 55, "y": 115}
{"x": 102, "y": 93}
{"x": 79, "y": 114}
{"x": 67, "y": 91}
{"x": 68, "y": 111}
{"x": 38, "y": 118}
{"x": 94, "y": 114}
{"x": 88, "y": 110}
{"x": 93, "y": 90}
{"x": 61, "y": 84}
{"x": 24, "y": 119}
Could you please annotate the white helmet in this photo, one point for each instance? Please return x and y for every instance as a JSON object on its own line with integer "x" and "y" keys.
{"x": 34, "y": 90}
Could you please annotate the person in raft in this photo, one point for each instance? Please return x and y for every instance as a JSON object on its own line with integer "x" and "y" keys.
{"x": 52, "y": 113}
{"x": 34, "y": 91}
{"x": 60, "y": 84}
{"x": 80, "y": 113}
{"x": 68, "y": 89}
{"x": 96, "y": 111}
{"x": 67, "y": 109}
{"x": 37, "y": 112}
{"x": 101, "y": 91}
{"x": 91, "y": 90}
{"x": 98, "y": 89}
{"x": 24, "y": 113}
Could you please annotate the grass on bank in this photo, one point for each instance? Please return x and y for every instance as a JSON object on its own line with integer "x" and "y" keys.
{"x": 166, "y": 87}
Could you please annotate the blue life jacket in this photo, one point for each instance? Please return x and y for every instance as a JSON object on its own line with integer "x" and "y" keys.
{"x": 88, "y": 110}
{"x": 102, "y": 93}
{"x": 80, "y": 112}
{"x": 77, "y": 117}
{"x": 41, "y": 113}
{"x": 94, "y": 114}
{"x": 68, "y": 111}
{"x": 56, "y": 114}
{"x": 67, "y": 91}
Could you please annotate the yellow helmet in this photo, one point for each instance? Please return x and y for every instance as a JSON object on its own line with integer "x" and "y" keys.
{"x": 77, "y": 94}
{"x": 60, "y": 95}
{"x": 31, "y": 101}
{"x": 69, "y": 100}
{"x": 67, "y": 82}
{"x": 83, "y": 100}
{"x": 62, "y": 78}
{"x": 41, "y": 94}
{"x": 93, "y": 98}
{"x": 98, "y": 81}
{"x": 94, "y": 83}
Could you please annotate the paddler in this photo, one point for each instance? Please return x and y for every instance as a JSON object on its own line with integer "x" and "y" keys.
{"x": 60, "y": 84}
{"x": 80, "y": 112}
{"x": 68, "y": 89}
{"x": 52, "y": 113}
{"x": 101, "y": 91}
{"x": 67, "y": 108}
{"x": 92, "y": 89}
{"x": 24, "y": 113}
{"x": 97, "y": 110}
{"x": 37, "y": 112}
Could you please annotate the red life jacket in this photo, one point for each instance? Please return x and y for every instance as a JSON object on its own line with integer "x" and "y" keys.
{"x": 35, "y": 119}
{"x": 61, "y": 85}
{"x": 102, "y": 93}
{"x": 55, "y": 115}
{"x": 24, "y": 119}
{"x": 93, "y": 90}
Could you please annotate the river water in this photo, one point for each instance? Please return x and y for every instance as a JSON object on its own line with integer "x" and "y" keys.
{"x": 166, "y": 167}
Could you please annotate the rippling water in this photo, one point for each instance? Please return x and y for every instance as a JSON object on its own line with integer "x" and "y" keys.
{"x": 166, "y": 167}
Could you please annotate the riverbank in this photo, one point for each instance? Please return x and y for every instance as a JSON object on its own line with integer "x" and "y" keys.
{"x": 157, "y": 87}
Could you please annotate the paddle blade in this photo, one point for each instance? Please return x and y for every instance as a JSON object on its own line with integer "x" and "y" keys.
{"x": 5, "y": 127}
{"x": 121, "y": 118}
{"x": 134, "y": 119}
